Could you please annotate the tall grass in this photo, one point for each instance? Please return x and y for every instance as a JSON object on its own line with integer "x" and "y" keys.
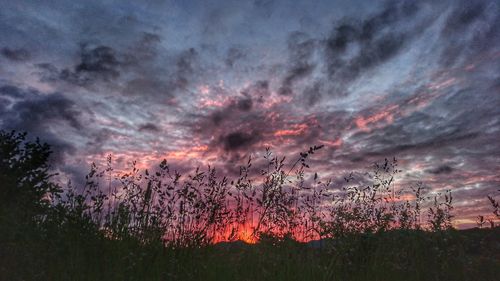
{"x": 278, "y": 201}
{"x": 157, "y": 224}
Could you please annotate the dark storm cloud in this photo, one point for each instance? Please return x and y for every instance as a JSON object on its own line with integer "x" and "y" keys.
{"x": 236, "y": 110}
{"x": 40, "y": 110}
{"x": 239, "y": 140}
{"x": 241, "y": 132}
{"x": 19, "y": 55}
{"x": 100, "y": 60}
{"x": 96, "y": 63}
{"x": 244, "y": 104}
{"x": 239, "y": 107}
{"x": 38, "y": 114}
{"x": 443, "y": 169}
{"x": 149, "y": 127}
{"x": 132, "y": 70}
{"x": 240, "y": 125}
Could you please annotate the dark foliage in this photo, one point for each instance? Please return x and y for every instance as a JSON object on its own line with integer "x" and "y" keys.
{"x": 160, "y": 225}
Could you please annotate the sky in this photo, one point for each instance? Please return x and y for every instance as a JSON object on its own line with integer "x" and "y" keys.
{"x": 212, "y": 82}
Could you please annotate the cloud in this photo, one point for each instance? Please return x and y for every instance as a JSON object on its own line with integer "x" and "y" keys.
{"x": 186, "y": 65}
{"x": 301, "y": 49}
{"x": 233, "y": 55}
{"x": 149, "y": 127}
{"x": 12, "y": 91}
{"x": 96, "y": 63}
{"x": 39, "y": 111}
{"x": 463, "y": 15}
{"x": 357, "y": 46}
{"x": 100, "y": 60}
{"x": 130, "y": 70}
{"x": 313, "y": 93}
{"x": 17, "y": 55}
{"x": 239, "y": 140}
{"x": 469, "y": 30}
{"x": 245, "y": 104}
{"x": 443, "y": 169}
{"x": 40, "y": 114}
{"x": 258, "y": 90}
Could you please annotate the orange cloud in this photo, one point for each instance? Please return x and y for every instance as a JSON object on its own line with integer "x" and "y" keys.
{"x": 442, "y": 84}
{"x": 189, "y": 153}
{"x": 337, "y": 143}
{"x": 276, "y": 99}
{"x": 213, "y": 102}
{"x": 204, "y": 89}
{"x": 387, "y": 114}
{"x": 297, "y": 130}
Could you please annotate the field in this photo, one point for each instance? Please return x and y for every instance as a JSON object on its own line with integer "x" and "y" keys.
{"x": 397, "y": 255}
{"x": 191, "y": 229}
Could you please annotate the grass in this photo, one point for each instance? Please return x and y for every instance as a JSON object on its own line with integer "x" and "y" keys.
{"x": 160, "y": 225}
{"x": 394, "y": 255}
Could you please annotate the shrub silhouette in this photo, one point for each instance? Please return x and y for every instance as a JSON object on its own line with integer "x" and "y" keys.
{"x": 25, "y": 176}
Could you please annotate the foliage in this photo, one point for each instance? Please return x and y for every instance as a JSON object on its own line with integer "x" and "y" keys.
{"x": 159, "y": 225}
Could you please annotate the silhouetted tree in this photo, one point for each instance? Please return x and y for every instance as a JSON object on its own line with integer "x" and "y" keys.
{"x": 25, "y": 186}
